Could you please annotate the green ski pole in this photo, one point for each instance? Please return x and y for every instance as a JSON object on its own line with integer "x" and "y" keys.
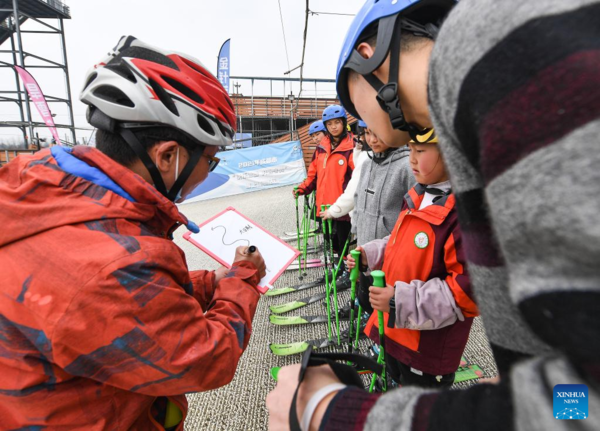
{"x": 313, "y": 216}
{"x": 358, "y": 320}
{"x": 326, "y": 241}
{"x": 379, "y": 281}
{"x": 306, "y": 231}
{"x": 353, "y": 278}
{"x": 298, "y": 232}
{"x": 335, "y": 272}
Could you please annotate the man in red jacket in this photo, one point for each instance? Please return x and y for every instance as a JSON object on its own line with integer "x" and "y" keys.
{"x": 102, "y": 325}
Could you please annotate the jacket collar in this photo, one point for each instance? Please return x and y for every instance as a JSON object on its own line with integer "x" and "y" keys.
{"x": 435, "y": 213}
{"x": 166, "y": 214}
{"x": 347, "y": 144}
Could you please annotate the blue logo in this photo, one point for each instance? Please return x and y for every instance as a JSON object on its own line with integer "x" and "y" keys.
{"x": 570, "y": 402}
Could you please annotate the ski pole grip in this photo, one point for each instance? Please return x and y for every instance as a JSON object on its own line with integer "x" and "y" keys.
{"x": 354, "y": 273}
{"x": 379, "y": 281}
{"x": 378, "y": 278}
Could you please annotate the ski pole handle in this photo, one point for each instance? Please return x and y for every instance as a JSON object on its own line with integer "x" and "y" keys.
{"x": 379, "y": 281}
{"x": 378, "y": 278}
{"x": 354, "y": 273}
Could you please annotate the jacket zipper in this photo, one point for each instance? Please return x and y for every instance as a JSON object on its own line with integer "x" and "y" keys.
{"x": 400, "y": 225}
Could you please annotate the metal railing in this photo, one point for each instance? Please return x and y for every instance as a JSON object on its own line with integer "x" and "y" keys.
{"x": 279, "y": 107}
{"x": 59, "y": 6}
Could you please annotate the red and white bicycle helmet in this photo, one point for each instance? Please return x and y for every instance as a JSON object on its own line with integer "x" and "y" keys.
{"x": 138, "y": 86}
{"x": 139, "y": 83}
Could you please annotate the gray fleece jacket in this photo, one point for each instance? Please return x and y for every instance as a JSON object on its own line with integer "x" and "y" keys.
{"x": 379, "y": 195}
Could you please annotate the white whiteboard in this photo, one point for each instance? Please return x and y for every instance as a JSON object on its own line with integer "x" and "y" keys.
{"x": 223, "y": 233}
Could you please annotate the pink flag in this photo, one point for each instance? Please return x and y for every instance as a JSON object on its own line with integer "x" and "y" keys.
{"x": 38, "y": 99}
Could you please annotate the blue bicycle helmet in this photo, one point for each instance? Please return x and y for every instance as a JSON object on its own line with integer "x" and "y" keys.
{"x": 386, "y": 20}
{"x": 315, "y": 127}
{"x": 333, "y": 111}
{"x": 362, "y": 124}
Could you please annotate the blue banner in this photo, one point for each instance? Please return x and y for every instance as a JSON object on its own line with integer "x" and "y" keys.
{"x": 252, "y": 169}
{"x": 224, "y": 65}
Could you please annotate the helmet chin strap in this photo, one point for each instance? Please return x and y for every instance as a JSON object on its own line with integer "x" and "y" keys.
{"x": 159, "y": 183}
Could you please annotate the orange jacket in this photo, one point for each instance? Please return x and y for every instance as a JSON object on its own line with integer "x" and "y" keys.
{"x": 99, "y": 314}
{"x": 426, "y": 244}
{"x": 329, "y": 172}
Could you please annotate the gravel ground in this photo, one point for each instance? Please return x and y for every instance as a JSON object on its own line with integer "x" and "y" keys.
{"x": 241, "y": 404}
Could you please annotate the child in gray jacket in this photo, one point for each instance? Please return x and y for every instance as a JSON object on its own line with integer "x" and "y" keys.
{"x": 384, "y": 180}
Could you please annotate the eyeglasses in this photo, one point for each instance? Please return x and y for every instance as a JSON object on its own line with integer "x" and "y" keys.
{"x": 213, "y": 162}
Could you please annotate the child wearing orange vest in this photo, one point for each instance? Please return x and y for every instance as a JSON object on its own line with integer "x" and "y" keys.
{"x": 428, "y": 304}
{"x": 331, "y": 170}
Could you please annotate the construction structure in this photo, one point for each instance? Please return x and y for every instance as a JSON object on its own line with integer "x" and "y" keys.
{"x": 21, "y": 19}
{"x": 276, "y": 110}
{"x": 270, "y": 108}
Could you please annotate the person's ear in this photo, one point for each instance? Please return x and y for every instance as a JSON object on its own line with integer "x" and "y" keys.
{"x": 163, "y": 154}
{"x": 365, "y": 50}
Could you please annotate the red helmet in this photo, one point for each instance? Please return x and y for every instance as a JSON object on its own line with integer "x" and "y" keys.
{"x": 139, "y": 86}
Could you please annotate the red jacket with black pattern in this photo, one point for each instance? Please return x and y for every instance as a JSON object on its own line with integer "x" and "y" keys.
{"x": 329, "y": 172}
{"x": 99, "y": 314}
{"x": 424, "y": 259}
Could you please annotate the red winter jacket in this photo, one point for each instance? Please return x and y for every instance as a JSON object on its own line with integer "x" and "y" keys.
{"x": 99, "y": 314}
{"x": 329, "y": 172}
{"x": 424, "y": 259}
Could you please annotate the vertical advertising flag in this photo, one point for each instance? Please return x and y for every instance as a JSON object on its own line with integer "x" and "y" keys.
{"x": 223, "y": 65}
{"x": 38, "y": 99}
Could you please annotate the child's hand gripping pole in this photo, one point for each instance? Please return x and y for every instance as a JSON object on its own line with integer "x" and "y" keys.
{"x": 353, "y": 278}
{"x": 379, "y": 281}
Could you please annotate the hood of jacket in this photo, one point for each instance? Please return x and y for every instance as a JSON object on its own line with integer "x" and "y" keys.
{"x": 62, "y": 186}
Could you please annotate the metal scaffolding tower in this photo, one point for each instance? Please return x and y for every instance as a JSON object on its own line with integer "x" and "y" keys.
{"x": 49, "y": 16}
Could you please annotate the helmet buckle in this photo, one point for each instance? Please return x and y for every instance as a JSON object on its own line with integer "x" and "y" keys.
{"x": 387, "y": 96}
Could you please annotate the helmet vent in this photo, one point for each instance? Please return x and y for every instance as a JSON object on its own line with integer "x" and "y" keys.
{"x": 223, "y": 114}
{"x": 121, "y": 69}
{"x": 195, "y": 67}
{"x": 205, "y": 125}
{"x": 113, "y": 95}
{"x": 91, "y": 79}
{"x": 183, "y": 89}
{"x": 228, "y": 100}
{"x": 224, "y": 131}
{"x": 148, "y": 55}
{"x": 163, "y": 96}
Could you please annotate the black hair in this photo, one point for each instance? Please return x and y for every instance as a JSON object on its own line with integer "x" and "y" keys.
{"x": 408, "y": 41}
{"x": 115, "y": 147}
